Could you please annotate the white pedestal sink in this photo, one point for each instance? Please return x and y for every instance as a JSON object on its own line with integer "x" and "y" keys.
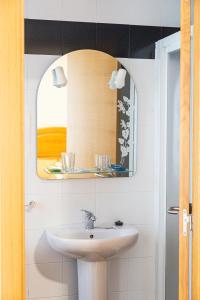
{"x": 92, "y": 248}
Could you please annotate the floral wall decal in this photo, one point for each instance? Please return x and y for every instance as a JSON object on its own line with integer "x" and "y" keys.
{"x": 124, "y": 141}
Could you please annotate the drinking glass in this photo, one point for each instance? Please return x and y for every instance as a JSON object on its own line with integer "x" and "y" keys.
{"x": 68, "y": 161}
{"x": 102, "y": 162}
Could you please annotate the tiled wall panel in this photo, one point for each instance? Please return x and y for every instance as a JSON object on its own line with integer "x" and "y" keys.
{"x": 131, "y": 274}
{"x": 136, "y": 12}
{"x": 118, "y": 40}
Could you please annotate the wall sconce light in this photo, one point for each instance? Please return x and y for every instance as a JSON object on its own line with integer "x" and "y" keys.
{"x": 120, "y": 78}
{"x": 117, "y": 80}
{"x": 111, "y": 83}
{"x": 59, "y": 78}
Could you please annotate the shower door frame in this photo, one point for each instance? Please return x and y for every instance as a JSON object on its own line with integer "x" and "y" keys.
{"x": 164, "y": 48}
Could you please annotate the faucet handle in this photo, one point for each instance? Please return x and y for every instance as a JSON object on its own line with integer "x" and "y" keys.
{"x": 89, "y": 214}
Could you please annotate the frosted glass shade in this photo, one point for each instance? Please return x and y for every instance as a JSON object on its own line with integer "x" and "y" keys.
{"x": 59, "y": 78}
{"x": 120, "y": 78}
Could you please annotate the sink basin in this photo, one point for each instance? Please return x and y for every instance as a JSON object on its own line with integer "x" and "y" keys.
{"x": 92, "y": 248}
{"x": 92, "y": 245}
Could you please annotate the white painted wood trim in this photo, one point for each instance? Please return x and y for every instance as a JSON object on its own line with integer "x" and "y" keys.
{"x": 163, "y": 48}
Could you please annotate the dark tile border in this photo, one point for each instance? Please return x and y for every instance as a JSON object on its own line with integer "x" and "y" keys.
{"x": 43, "y": 37}
{"x": 118, "y": 40}
{"x": 113, "y": 39}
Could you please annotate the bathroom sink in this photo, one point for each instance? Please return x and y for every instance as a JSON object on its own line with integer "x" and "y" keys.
{"x": 92, "y": 245}
{"x": 92, "y": 248}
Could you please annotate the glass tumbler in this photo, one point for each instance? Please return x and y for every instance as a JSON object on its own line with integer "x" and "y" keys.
{"x": 102, "y": 162}
{"x": 68, "y": 161}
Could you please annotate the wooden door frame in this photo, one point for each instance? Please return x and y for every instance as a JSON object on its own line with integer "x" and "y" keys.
{"x": 184, "y": 180}
{"x": 12, "y": 283}
{"x": 196, "y": 158}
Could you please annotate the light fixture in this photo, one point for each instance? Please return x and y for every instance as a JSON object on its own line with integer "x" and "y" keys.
{"x": 117, "y": 80}
{"x": 120, "y": 78}
{"x": 59, "y": 78}
{"x": 111, "y": 83}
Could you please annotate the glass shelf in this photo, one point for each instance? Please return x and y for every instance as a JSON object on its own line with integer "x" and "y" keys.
{"x": 87, "y": 171}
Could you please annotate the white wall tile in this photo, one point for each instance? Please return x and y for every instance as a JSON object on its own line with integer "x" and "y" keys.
{"x": 114, "y": 185}
{"x": 45, "y": 9}
{"x": 131, "y": 275}
{"x": 26, "y": 75}
{"x": 76, "y": 10}
{"x": 66, "y": 10}
{"x": 117, "y": 275}
{"x": 47, "y": 212}
{"x": 139, "y": 12}
{"x": 131, "y": 208}
{"x": 41, "y": 186}
{"x": 52, "y": 210}
{"x": 71, "y": 205}
{"x": 45, "y": 280}
{"x": 30, "y": 122}
{"x": 142, "y": 181}
{"x": 145, "y": 245}
{"x": 143, "y": 73}
{"x": 141, "y": 274}
{"x": 27, "y": 138}
{"x": 35, "y": 67}
{"x": 26, "y": 285}
{"x": 78, "y": 186}
{"x": 145, "y": 150}
{"x": 38, "y": 249}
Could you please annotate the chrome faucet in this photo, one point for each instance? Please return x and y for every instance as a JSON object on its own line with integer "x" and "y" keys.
{"x": 89, "y": 219}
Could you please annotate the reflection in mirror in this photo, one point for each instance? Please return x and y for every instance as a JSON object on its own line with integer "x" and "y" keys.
{"x": 86, "y": 118}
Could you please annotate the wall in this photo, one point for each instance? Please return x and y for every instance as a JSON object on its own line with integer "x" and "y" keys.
{"x": 136, "y": 12}
{"x": 131, "y": 275}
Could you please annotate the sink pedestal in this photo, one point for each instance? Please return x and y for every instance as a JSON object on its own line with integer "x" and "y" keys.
{"x": 92, "y": 248}
{"x": 92, "y": 280}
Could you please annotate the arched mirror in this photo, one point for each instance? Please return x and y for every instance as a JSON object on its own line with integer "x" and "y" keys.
{"x": 86, "y": 118}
